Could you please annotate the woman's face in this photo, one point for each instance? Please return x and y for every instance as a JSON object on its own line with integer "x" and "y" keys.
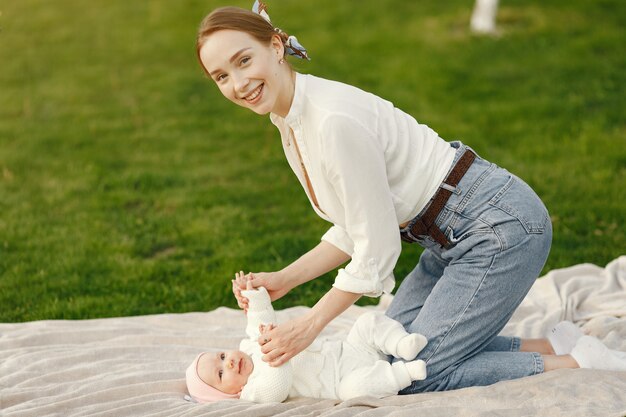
{"x": 247, "y": 72}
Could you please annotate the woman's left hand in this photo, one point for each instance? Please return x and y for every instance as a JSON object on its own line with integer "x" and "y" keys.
{"x": 287, "y": 339}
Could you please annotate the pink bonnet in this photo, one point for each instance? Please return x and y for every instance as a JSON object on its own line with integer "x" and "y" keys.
{"x": 200, "y": 390}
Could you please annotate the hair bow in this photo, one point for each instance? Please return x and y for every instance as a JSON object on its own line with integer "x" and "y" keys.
{"x": 292, "y": 46}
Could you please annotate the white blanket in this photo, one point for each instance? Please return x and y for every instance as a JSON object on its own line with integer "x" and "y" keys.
{"x": 134, "y": 366}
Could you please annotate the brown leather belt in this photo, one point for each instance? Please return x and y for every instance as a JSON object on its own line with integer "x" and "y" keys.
{"x": 425, "y": 225}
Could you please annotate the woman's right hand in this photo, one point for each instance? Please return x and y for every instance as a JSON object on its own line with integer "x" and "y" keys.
{"x": 276, "y": 283}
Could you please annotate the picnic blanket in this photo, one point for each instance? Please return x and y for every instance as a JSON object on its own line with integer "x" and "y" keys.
{"x": 134, "y": 366}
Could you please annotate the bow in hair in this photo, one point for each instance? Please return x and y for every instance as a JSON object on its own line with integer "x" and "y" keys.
{"x": 292, "y": 46}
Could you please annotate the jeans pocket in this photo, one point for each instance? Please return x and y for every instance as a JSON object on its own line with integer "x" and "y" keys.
{"x": 517, "y": 199}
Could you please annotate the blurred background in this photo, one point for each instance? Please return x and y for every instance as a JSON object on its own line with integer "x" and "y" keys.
{"x": 129, "y": 186}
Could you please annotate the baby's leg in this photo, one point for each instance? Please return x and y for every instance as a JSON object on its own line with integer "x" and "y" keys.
{"x": 382, "y": 379}
{"x": 386, "y": 335}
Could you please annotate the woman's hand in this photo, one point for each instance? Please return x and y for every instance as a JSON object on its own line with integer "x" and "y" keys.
{"x": 276, "y": 283}
{"x": 319, "y": 260}
{"x": 288, "y": 339}
{"x": 283, "y": 342}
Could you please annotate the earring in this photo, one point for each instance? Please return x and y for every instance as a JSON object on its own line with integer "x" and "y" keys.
{"x": 282, "y": 61}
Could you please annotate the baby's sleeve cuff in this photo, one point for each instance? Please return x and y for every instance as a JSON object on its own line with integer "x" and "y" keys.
{"x": 259, "y": 299}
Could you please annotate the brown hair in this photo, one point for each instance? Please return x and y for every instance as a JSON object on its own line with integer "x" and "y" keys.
{"x": 234, "y": 18}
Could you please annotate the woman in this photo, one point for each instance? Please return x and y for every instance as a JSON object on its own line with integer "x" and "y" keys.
{"x": 379, "y": 176}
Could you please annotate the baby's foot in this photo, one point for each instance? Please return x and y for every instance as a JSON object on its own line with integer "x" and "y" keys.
{"x": 591, "y": 353}
{"x": 417, "y": 370}
{"x": 563, "y": 337}
{"x": 410, "y": 345}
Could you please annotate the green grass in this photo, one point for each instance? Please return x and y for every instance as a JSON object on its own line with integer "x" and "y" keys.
{"x": 129, "y": 186}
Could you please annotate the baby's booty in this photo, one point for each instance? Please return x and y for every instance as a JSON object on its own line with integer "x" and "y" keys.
{"x": 417, "y": 370}
{"x": 410, "y": 345}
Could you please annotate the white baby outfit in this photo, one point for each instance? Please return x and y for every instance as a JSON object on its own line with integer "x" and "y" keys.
{"x": 328, "y": 368}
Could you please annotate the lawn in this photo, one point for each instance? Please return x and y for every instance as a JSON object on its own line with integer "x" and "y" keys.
{"x": 129, "y": 186}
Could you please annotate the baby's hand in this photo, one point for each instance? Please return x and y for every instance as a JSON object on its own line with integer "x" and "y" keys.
{"x": 264, "y": 329}
{"x": 241, "y": 282}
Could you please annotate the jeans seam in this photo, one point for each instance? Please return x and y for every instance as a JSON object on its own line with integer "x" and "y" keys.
{"x": 482, "y": 281}
{"x": 470, "y": 192}
{"x": 538, "y": 362}
{"x": 516, "y": 343}
{"x": 502, "y": 239}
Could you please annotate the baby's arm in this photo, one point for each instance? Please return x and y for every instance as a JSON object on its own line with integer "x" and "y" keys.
{"x": 260, "y": 311}
{"x": 267, "y": 383}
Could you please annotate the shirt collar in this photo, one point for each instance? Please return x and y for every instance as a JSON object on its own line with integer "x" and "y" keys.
{"x": 296, "y": 104}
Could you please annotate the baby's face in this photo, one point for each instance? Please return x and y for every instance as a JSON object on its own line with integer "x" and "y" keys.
{"x": 226, "y": 371}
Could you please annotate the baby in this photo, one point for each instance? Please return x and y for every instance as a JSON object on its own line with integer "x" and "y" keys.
{"x": 326, "y": 369}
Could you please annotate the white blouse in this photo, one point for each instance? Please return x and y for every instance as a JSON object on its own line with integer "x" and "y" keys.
{"x": 371, "y": 167}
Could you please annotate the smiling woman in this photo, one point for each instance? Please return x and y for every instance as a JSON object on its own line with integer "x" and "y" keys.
{"x": 232, "y": 48}
{"x": 249, "y": 73}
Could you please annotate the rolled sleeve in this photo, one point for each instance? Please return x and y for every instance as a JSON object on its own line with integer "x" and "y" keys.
{"x": 368, "y": 281}
{"x": 337, "y": 236}
{"x": 356, "y": 167}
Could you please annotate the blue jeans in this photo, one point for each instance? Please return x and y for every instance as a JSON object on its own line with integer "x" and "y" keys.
{"x": 461, "y": 297}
